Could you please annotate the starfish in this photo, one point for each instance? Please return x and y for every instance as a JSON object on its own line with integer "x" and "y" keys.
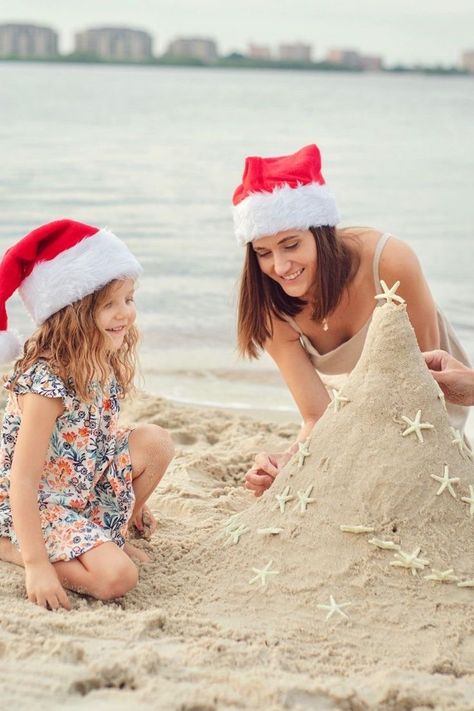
{"x": 303, "y": 452}
{"x": 466, "y": 584}
{"x": 441, "y": 396}
{"x": 410, "y": 560}
{"x": 386, "y": 545}
{"x": 390, "y": 294}
{"x": 338, "y": 399}
{"x": 461, "y": 443}
{"x": 335, "y": 607}
{"x": 446, "y": 482}
{"x": 416, "y": 426}
{"x": 443, "y": 576}
{"x": 469, "y": 499}
{"x": 356, "y": 529}
{"x": 269, "y": 531}
{"x": 231, "y": 525}
{"x": 304, "y": 498}
{"x": 236, "y": 533}
{"x": 283, "y": 498}
{"x": 262, "y": 574}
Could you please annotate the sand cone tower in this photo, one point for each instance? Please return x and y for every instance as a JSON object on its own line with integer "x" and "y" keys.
{"x": 380, "y": 497}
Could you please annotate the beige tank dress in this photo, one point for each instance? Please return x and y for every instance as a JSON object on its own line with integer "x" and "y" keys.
{"x": 334, "y": 367}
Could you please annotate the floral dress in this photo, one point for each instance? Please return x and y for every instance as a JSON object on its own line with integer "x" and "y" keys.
{"x": 85, "y": 494}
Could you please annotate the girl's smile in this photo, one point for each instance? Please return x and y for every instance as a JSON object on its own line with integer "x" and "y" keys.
{"x": 117, "y": 315}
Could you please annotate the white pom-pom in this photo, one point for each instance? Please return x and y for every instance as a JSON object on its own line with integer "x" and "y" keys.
{"x": 10, "y": 346}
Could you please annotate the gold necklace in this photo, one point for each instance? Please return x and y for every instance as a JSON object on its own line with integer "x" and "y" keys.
{"x": 325, "y": 324}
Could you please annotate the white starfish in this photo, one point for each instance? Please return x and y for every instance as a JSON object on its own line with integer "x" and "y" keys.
{"x": 389, "y": 294}
{"x": 335, "y": 607}
{"x": 356, "y": 529}
{"x": 303, "y": 452}
{"x": 441, "y": 395}
{"x": 469, "y": 500}
{"x": 410, "y": 560}
{"x": 304, "y": 498}
{"x": 461, "y": 444}
{"x": 231, "y": 525}
{"x": 236, "y": 533}
{"x": 416, "y": 426}
{"x": 386, "y": 545}
{"x": 446, "y": 482}
{"x": 442, "y": 576}
{"x": 263, "y": 573}
{"x": 283, "y": 498}
{"x": 466, "y": 584}
{"x": 338, "y": 399}
{"x": 269, "y": 531}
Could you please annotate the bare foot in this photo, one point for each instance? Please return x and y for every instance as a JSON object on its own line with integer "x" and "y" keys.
{"x": 10, "y": 553}
{"x": 136, "y": 554}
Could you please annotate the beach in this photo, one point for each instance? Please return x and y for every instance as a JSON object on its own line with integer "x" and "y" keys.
{"x": 198, "y": 635}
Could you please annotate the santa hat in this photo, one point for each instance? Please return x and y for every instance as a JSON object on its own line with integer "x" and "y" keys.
{"x": 283, "y": 193}
{"x": 56, "y": 265}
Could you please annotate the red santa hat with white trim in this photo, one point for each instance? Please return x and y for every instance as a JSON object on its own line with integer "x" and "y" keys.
{"x": 55, "y": 265}
{"x": 283, "y": 193}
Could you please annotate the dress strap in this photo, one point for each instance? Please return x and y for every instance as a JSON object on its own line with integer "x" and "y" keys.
{"x": 293, "y": 324}
{"x": 376, "y": 261}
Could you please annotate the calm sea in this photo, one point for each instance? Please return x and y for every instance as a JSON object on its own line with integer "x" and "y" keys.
{"x": 155, "y": 153}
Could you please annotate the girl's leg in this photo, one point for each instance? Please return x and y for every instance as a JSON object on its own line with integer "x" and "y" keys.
{"x": 151, "y": 450}
{"x": 104, "y": 572}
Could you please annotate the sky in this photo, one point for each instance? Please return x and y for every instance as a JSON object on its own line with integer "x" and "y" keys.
{"x": 406, "y": 31}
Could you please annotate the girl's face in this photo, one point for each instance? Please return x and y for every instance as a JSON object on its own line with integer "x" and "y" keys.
{"x": 289, "y": 258}
{"x": 118, "y": 313}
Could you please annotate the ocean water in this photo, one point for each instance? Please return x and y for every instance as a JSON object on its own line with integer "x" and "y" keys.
{"x": 155, "y": 153}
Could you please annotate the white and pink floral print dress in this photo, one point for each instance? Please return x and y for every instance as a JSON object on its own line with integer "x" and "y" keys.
{"x": 85, "y": 495}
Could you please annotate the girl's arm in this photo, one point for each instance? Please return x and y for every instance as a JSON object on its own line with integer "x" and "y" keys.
{"x": 39, "y": 415}
{"x": 399, "y": 263}
{"x": 309, "y": 393}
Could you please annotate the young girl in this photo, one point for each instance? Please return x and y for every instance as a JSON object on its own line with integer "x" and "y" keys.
{"x": 308, "y": 287}
{"x": 71, "y": 481}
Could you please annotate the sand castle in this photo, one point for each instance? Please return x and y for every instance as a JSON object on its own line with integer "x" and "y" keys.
{"x": 378, "y": 502}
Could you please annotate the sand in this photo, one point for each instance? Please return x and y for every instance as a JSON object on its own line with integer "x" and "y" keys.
{"x": 196, "y": 635}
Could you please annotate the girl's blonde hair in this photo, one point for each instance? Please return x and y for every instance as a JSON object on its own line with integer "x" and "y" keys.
{"x": 76, "y": 349}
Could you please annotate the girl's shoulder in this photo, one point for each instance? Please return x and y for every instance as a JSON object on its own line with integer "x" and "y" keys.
{"x": 39, "y": 379}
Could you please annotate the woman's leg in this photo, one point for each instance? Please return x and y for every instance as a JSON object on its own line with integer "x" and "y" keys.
{"x": 151, "y": 450}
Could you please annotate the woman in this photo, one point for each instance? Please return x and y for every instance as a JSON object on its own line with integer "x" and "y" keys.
{"x": 307, "y": 288}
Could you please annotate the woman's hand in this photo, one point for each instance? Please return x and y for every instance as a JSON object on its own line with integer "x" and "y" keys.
{"x": 265, "y": 469}
{"x": 43, "y": 587}
{"x": 454, "y": 378}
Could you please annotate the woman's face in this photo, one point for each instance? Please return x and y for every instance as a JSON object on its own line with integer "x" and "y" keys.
{"x": 289, "y": 258}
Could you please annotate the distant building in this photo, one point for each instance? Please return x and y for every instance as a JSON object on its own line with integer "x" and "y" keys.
{"x": 467, "y": 60}
{"x": 352, "y": 59}
{"x": 28, "y": 41}
{"x": 194, "y": 48}
{"x": 296, "y": 52}
{"x": 115, "y": 44}
{"x": 259, "y": 51}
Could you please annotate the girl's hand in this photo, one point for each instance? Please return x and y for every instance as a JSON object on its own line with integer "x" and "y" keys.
{"x": 453, "y": 377}
{"x": 144, "y": 522}
{"x": 43, "y": 587}
{"x": 264, "y": 471}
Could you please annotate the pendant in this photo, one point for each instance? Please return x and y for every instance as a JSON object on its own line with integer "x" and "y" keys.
{"x": 325, "y": 324}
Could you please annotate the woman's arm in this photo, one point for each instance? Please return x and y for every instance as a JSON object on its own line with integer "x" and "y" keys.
{"x": 39, "y": 415}
{"x": 399, "y": 263}
{"x": 308, "y": 392}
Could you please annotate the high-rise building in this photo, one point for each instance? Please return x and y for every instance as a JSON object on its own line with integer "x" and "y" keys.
{"x": 352, "y": 59}
{"x": 295, "y": 52}
{"x": 259, "y": 51}
{"x": 467, "y": 60}
{"x": 115, "y": 44}
{"x": 28, "y": 41}
{"x": 194, "y": 48}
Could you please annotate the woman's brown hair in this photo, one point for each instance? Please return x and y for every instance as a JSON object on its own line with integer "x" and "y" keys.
{"x": 76, "y": 350}
{"x": 262, "y": 299}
